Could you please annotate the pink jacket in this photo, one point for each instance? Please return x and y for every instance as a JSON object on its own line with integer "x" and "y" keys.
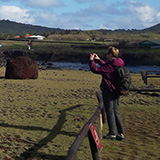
{"x": 107, "y": 71}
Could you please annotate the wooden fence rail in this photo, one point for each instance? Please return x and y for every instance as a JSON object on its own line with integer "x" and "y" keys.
{"x": 146, "y": 74}
{"x": 72, "y": 152}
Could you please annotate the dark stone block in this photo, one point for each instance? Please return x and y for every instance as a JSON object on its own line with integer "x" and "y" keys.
{"x": 21, "y": 67}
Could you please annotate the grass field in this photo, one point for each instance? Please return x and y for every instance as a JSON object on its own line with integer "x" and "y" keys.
{"x": 41, "y": 118}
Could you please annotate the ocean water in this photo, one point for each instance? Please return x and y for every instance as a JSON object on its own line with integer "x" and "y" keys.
{"x": 82, "y": 66}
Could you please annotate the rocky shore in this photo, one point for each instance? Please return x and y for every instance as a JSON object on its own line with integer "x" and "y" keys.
{"x": 60, "y": 56}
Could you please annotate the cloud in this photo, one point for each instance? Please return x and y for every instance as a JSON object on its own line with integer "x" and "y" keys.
{"x": 94, "y": 15}
{"x": 127, "y": 15}
{"x": 6, "y": 0}
{"x": 44, "y": 3}
{"x": 86, "y": 1}
{"x": 158, "y": 15}
{"x": 63, "y": 21}
{"x": 39, "y": 3}
{"x": 144, "y": 13}
{"x": 15, "y": 14}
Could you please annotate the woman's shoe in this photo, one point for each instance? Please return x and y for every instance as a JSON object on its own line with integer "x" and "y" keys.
{"x": 109, "y": 136}
{"x": 120, "y": 137}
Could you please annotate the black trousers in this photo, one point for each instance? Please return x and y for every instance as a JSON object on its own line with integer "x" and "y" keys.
{"x": 111, "y": 104}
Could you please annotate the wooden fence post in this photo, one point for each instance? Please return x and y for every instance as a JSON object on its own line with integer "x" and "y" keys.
{"x": 94, "y": 141}
{"x": 101, "y": 117}
{"x": 100, "y": 126}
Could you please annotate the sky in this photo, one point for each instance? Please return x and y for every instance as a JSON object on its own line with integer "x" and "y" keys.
{"x": 83, "y": 14}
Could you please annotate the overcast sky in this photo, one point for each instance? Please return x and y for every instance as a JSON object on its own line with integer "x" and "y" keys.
{"x": 83, "y": 14}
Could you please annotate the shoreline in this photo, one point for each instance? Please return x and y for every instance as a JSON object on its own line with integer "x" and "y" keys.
{"x": 130, "y": 59}
{"x": 85, "y": 67}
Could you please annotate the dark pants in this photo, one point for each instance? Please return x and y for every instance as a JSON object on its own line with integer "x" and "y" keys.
{"x": 111, "y": 104}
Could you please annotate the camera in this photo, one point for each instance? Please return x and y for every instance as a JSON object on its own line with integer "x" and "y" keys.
{"x": 95, "y": 55}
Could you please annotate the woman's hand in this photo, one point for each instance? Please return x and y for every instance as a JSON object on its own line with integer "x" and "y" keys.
{"x": 91, "y": 56}
{"x": 96, "y": 56}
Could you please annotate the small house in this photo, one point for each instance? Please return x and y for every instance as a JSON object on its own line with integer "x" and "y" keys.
{"x": 36, "y": 37}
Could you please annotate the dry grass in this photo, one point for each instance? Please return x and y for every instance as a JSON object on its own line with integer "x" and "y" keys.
{"x": 41, "y": 118}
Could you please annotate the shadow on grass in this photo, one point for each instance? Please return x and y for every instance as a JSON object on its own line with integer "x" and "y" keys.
{"x": 33, "y": 151}
{"x": 25, "y": 127}
{"x": 150, "y": 94}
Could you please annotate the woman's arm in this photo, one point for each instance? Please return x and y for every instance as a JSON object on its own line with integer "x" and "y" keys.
{"x": 105, "y": 69}
{"x": 95, "y": 56}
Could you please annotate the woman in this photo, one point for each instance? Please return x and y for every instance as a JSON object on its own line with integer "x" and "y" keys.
{"x": 108, "y": 87}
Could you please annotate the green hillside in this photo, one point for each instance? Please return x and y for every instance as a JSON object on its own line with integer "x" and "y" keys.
{"x": 7, "y": 26}
{"x": 153, "y": 28}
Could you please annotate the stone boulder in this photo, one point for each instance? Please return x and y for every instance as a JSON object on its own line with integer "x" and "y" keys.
{"x": 21, "y": 67}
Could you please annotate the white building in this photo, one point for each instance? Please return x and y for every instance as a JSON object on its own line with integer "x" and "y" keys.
{"x": 37, "y": 37}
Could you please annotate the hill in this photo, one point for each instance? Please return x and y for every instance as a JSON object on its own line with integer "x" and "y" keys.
{"x": 153, "y": 28}
{"x": 7, "y": 26}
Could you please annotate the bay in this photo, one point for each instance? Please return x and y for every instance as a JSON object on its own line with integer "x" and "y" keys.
{"x": 82, "y": 66}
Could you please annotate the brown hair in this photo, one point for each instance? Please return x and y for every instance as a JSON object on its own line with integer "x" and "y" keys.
{"x": 114, "y": 51}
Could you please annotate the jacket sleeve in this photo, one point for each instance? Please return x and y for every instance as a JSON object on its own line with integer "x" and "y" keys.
{"x": 104, "y": 69}
{"x": 101, "y": 62}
